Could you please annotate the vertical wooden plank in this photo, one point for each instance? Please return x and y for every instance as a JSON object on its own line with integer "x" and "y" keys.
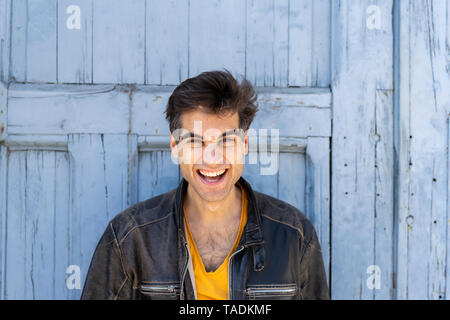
{"x": 280, "y": 43}
{"x": 216, "y": 36}
{"x": 16, "y": 283}
{"x": 267, "y": 42}
{"x": 120, "y": 185}
{"x": 309, "y": 43}
{"x": 30, "y": 252}
{"x": 62, "y": 222}
{"x": 292, "y": 179}
{"x": 19, "y": 25}
{"x": 41, "y": 37}
{"x": 3, "y": 111}
{"x": 358, "y": 70}
{"x": 318, "y": 192}
{"x": 36, "y": 249}
{"x": 300, "y": 42}
{"x": 132, "y": 186}
{"x": 3, "y": 186}
{"x": 75, "y": 41}
{"x": 88, "y": 205}
{"x": 118, "y": 41}
{"x": 447, "y": 284}
{"x": 384, "y": 189}
{"x": 260, "y": 25}
{"x": 423, "y": 109}
{"x": 320, "y": 55}
{"x": 3, "y": 208}
{"x": 40, "y": 224}
{"x": 157, "y": 174}
{"x": 166, "y": 41}
{"x": 5, "y": 40}
{"x": 402, "y": 146}
{"x": 109, "y": 162}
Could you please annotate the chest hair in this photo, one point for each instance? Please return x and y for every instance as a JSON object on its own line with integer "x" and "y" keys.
{"x": 214, "y": 243}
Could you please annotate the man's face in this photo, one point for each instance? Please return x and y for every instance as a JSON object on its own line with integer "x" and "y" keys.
{"x": 211, "y": 152}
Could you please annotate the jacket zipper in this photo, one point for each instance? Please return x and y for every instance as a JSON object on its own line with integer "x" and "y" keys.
{"x": 230, "y": 269}
{"x": 262, "y": 291}
{"x": 160, "y": 289}
{"x": 185, "y": 270}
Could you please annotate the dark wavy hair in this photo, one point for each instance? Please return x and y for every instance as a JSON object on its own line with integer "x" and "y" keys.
{"x": 217, "y": 92}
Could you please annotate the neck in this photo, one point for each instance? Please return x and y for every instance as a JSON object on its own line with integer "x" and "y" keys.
{"x": 202, "y": 212}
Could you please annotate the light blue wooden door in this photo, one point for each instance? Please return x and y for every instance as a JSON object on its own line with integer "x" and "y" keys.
{"x": 64, "y": 186}
{"x": 84, "y": 136}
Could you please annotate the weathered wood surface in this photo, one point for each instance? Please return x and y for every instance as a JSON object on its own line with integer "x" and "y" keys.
{"x": 362, "y": 161}
{"x": 296, "y": 112}
{"x": 387, "y": 63}
{"x": 95, "y": 151}
{"x": 423, "y": 183}
{"x": 165, "y": 42}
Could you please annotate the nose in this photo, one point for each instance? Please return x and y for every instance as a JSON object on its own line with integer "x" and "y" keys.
{"x": 212, "y": 154}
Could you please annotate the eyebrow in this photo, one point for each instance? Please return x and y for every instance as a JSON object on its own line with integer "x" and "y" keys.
{"x": 195, "y": 135}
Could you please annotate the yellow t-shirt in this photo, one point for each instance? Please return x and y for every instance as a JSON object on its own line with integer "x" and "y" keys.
{"x": 214, "y": 285}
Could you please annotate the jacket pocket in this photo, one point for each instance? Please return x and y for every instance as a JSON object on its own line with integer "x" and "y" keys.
{"x": 271, "y": 292}
{"x": 160, "y": 291}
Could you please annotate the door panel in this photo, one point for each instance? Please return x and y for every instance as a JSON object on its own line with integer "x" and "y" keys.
{"x": 37, "y": 238}
{"x": 96, "y": 150}
{"x": 165, "y": 42}
{"x": 157, "y": 173}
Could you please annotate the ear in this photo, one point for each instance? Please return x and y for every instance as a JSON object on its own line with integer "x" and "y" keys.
{"x": 174, "y": 147}
{"x": 246, "y": 143}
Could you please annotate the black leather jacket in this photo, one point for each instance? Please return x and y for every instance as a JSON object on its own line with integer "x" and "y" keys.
{"x": 143, "y": 254}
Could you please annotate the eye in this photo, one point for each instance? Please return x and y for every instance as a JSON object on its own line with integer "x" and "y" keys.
{"x": 194, "y": 142}
{"x": 228, "y": 141}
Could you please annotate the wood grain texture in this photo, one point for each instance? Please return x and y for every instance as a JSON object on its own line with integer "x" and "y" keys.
{"x": 75, "y": 46}
{"x": 3, "y": 210}
{"x": 267, "y": 49}
{"x": 5, "y": 39}
{"x": 17, "y": 280}
{"x": 119, "y": 109}
{"x": 41, "y": 40}
{"x": 157, "y": 174}
{"x": 3, "y": 111}
{"x": 361, "y": 64}
{"x": 167, "y": 36}
{"x": 219, "y": 26}
{"x": 273, "y": 43}
{"x": 424, "y": 106}
{"x": 309, "y": 43}
{"x": 317, "y": 192}
{"x": 384, "y": 192}
{"x": 118, "y": 41}
{"x": 107, "y": 161}
{"x": 447, "y": 284}
{"x": 18, "y": 64}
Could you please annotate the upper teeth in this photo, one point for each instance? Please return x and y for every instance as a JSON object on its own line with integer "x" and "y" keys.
{"x": 212, "y": 173}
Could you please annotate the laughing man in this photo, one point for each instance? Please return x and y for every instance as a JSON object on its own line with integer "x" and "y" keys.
{"x": 213, "y": 237}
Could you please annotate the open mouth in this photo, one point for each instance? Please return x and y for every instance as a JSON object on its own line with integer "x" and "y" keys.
{"x": 212, "y": 177}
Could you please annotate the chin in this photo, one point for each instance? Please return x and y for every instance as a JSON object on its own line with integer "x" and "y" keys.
{"x": 212, "y": 195}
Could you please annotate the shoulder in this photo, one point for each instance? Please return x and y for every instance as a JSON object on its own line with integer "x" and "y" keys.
{"x": 281, "y": 212}
{"x": 153, "y": 210}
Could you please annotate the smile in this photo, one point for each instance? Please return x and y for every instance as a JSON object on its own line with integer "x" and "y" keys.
{"x": 212, "y": 176}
